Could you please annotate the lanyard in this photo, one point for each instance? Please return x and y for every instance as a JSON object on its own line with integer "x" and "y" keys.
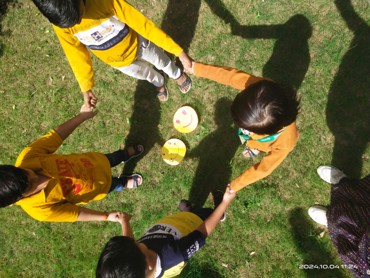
{"x": 266, "y": 139}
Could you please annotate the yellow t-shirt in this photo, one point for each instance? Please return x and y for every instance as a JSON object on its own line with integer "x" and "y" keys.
{"x": 109, "y": 29}
{"x": 170, "y": 260}
{"x": 75, "y": 179}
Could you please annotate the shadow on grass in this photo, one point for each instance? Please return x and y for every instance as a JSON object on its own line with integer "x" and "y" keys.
{"x": 196, "y": 270}
{"x": 288, "y": 64}
{"x": 146, "y": 110}
{"x": 306, "y": 240}
{"x": 215, "y": 153}
{"x": 290, "y": 59}
{"x": 4, "y": 4}
{"x": 348, "y": 107}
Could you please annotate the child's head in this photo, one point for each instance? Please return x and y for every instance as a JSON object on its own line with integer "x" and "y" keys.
{"x": 13, "y": 184}
{"x": 121, "y": 257}
{"x": 265, "y": 107}
{"x": 62, "y": 13}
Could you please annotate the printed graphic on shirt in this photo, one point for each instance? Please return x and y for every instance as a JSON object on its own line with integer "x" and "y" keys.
{"x": 104, "y": 36}
{"x": 192, "y": 249}
{"x": 70, "y": 173}
{"x": 164, "y": 229}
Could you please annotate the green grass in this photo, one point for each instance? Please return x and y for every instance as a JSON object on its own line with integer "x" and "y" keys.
{"x": 267, "y": 232}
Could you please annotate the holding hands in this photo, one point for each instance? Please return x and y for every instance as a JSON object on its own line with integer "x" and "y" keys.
{"x": 121, "y": 217}
{"x": 90, "y": 100}
{"x": 229, "y": 194}
{"x": 88, "y": 112}
{"x": 186, "y": 61}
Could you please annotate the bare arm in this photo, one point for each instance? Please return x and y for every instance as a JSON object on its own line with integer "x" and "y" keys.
{"x": 85, "y": 214}
{"x": 211, "y": 222}
{"x": 65, "y": 129}
{"x": 124, "y": 219}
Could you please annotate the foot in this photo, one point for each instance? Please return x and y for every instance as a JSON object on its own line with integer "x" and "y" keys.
{"x": 184, "y": 83}
{"x": 249, "y": 153}
{"x": 132, "y": 151}
{"x": 330, "y": 174}
{"x": 162, "y": 94}
{"x": 318, "y": 214}
{"x": 133, "y": 181}
{"x": 184, "y": 205}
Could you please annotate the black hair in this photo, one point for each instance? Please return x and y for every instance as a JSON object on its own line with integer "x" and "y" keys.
{"x": 13, "y": 184}
{"x": 121, "y": 258}
{"x": 62, "y": 13}
{"x": 265, "y": 107}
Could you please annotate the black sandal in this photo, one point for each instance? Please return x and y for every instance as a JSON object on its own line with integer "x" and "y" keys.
{"x": 163, "y": 96}
{"x": 134, "y": 178}
{"x": 138, "y": 150}
{"x": 186, "y": 85}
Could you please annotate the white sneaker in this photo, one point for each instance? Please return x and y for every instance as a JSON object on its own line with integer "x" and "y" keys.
{"x": 318, "y": 214}
{"x": 330, "y": 174}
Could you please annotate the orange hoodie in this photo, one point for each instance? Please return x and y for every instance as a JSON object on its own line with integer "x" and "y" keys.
{"x": 276, "y": 150}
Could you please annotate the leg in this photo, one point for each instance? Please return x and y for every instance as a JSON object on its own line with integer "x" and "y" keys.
{"x": 143, "y": 71}
{"x": 125, "y": 155}
{"x": 153, "y": 54}
{"x": 156, "y": 56}
{"x": 130, "y": 182}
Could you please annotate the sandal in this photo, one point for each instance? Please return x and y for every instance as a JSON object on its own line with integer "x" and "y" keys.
{"x": 138, "y": 150}
{"x": 163, "y": 96}
{"x": 186, "y": 85}
{"x": 134, "y": 178}
{"x": 250, "y": 153}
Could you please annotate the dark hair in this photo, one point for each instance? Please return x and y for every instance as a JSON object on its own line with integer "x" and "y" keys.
{"x": 265, "y": 107}
{"x": 62, "y": 13}
{"x": 13, "y": 184}
{"x": 121, "y": 258}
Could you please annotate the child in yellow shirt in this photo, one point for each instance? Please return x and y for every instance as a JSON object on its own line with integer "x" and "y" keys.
{"x": 120, "y": 36}
{"x": 51, "y": 187}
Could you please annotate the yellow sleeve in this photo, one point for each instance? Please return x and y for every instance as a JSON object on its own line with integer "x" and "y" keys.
{"x": 79, "y": 58}
{"x": 225, "y": 75}
{"x": 260, "y": 170}
{"x": 46, "y": 144}
{"x": 64, "y": 212}
{"x": 145, "y": 27}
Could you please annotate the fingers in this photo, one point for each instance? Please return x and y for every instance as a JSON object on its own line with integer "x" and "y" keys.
{"x": 118, "y": 216}
{"x": 186, "y": 61}
{"x": 191, "y": 69}
{"x": 90, "y": 100}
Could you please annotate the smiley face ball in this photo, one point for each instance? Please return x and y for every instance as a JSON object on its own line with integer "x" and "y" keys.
{"x": 173, "y": 151}
{"x": 185, "y": 119}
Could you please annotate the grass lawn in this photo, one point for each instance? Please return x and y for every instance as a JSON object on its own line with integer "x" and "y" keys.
{"x": 321, "y": 47}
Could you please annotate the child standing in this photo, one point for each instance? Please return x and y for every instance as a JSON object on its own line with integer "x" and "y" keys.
{"x": 165, "y": 248}
{"x": 50, "y": 187}
{"x": 120, "y": 36}
{"x": 265, "y": 112}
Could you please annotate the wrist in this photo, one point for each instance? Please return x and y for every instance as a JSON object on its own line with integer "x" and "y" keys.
{"x": 105, "y": 216}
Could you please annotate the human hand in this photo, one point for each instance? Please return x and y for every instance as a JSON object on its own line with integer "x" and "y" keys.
{"x": 185, "y": 60}
{"x": 90, "y": 99}
{"x": 117, "y": 216}
{"x": 88, "y": 112}
{"x": 191, "y": 69}
{"x": 229, "y": 194}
